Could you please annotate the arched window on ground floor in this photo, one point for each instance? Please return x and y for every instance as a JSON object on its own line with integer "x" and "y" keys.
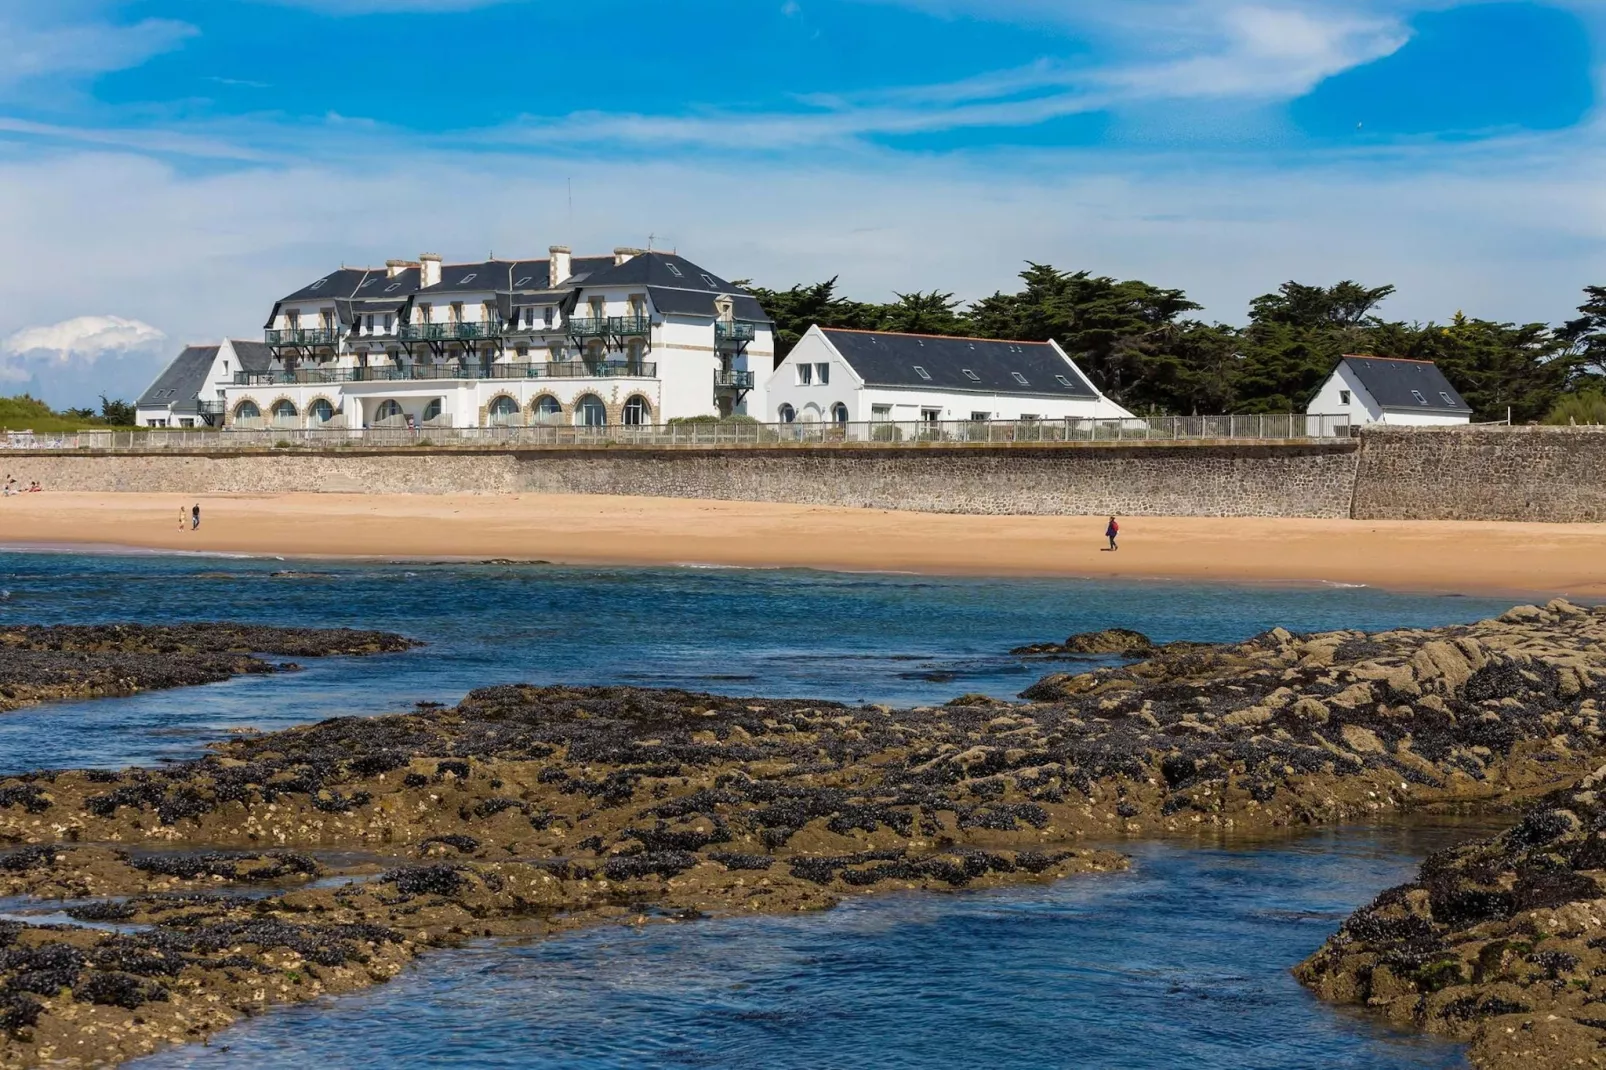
{"x": 589, "y": 411}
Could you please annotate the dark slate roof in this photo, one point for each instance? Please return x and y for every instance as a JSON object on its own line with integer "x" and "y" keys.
{"x": 345, "y": 283}
{"x": 662, "y": 269}
{"x": 1396, "y": 384}
{"x": 486, "y": 275}
{"x": 181, "y": 380}
{"x": 891, "y": 359}
{"x": 253, "y": 356}
{"x": 672, "y": 302}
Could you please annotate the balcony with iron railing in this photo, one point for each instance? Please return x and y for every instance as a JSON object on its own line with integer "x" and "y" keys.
{"x": 210, "y": 408}
{"x": 303, "y": 336}
{"x": 574, "y": 369}
{"x": 448, "y": 332}
{"x": 609, "y": 326}
{"x": 733, "y": 380}
{"x": 734, "y": 332}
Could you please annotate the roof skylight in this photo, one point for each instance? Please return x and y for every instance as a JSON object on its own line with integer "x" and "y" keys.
{"x": 1062, "y": 380}
{"x": 1447, "y": 399}
{"x": 675, "y": 271}
{"x": 1420, "y": 400}
{"x": 972, "y": 376}
{"x": 1021, "y": 379}
{"x": 466, "y": 279}
{"x": 922, "y": 372}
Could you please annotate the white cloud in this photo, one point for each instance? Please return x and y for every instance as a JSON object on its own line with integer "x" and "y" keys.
{"x": 38, "y": 46}
{"x": 177, "y": 251}
{"x": 77, "y": 360}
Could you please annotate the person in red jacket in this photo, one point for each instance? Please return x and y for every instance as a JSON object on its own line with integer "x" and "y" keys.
{"x": 1111, "y": 532}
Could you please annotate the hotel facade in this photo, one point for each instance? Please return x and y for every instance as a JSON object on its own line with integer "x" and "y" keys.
{"x": 635, "y": 338}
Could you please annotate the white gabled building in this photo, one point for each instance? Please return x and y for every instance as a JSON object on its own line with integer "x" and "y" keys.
{"x": 1389, "y": 390}
{"x": 842, "y": 376}
{"x": 192, "y": 391}
{"x": 633, "y": 338}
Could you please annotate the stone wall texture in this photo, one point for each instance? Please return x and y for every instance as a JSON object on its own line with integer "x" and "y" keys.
{"x": 1555, "y": 474}
{"x": 1201, "y": 480}
{"x": 1524, "y": 473}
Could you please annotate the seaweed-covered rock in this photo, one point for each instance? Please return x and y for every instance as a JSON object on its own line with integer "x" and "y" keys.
{"x": 1495, "y": 938}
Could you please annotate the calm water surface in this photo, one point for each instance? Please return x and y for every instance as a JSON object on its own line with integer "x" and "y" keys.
{"x": 1181, "y": 962}
{"x": 851, "y": 637}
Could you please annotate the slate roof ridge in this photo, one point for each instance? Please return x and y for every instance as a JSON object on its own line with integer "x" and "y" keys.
{"x": 1396, "y": 360}
{"x": 949, "y": 337}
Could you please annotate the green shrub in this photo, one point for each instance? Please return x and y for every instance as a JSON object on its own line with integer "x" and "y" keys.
{"x": 1584, "y": 407}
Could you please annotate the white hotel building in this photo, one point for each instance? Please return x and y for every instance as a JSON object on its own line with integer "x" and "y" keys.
{"x": 633, "y": 338}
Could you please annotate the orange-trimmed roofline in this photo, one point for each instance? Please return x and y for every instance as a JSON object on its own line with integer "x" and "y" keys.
{"x": 1395, "y": 360}
{"x": 949, "y": 337}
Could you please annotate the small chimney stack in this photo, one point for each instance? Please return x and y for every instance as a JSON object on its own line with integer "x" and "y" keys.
{"x": 560, "y": 267}
{"x": 396, "y": 267}
{"x": 429, "y": 269}
{"x": 624, "y": 253}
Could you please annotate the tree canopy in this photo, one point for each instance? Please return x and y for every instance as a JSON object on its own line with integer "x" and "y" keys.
{"x": 1142, "y": 345}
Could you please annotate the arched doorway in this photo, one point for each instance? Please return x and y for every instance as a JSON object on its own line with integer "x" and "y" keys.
{"x": 389, "y": 413}
{"x": 637, "y": 412}
{"x": 320, "y": 412}
{"x": 546, "y": 410}
{"x": 503, "y": 412}
{"x": 787, "y": 414}
{"x": 284, "y": 413}
{"x": 589, "y": 411}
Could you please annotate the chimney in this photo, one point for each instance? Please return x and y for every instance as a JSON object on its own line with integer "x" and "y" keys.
{"x": 430, "y": 263}
{"x": 560, "y": 267}
{"x": 623, "y": 253}
{"x": 396, "y": 267}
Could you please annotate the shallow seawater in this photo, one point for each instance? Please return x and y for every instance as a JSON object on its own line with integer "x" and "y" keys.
{"x": 1181, "y": 962}
{"x": 850, "y": 637}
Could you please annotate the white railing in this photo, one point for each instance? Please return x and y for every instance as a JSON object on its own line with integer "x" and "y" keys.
{"x": 908, "y": 434}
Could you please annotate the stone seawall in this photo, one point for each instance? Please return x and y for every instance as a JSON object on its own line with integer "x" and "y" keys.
{"x": 1552, "y": 474}
{"x": 1555, "y": 474}
{"x": 1131, "y": 480}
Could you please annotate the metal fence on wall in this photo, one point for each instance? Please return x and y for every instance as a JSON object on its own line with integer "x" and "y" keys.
{"x": 1279, "y": 427}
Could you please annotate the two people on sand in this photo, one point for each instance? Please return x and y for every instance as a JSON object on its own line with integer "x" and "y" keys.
{"x": 194, "y": 515}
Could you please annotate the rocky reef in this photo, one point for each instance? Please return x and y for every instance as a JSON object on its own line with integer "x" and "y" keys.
{"x": 322, "y": 858}
{"x": 1500, "y": 942}
{"x": 44, "y": 663}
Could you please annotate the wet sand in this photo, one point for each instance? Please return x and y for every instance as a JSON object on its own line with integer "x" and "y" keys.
{"x": 1459, "y": 557}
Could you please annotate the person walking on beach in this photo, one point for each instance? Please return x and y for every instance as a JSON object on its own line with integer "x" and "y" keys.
{"x": 181, "y": 518}
{"x": 1111, "y": 531}
{"x": 195, "y": 517}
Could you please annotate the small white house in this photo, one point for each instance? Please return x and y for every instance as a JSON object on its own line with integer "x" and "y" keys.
{"x": 1388, "y": 390}
{"x": 190, "y": 391}
{"x": 841, "y": 376}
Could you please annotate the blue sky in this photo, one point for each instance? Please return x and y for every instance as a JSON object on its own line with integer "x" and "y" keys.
{"x": 168, "y": 167}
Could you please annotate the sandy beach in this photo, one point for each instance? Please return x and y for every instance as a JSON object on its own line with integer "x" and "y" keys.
{"x": 1517, "y": 558}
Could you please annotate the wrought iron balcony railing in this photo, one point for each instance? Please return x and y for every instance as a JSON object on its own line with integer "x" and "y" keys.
{"x": 303, "y": 336}
{"x": 735, "y": 380}
{"x": 574, "y": 369}
{"x": 609, "y": 326}
{"x": 734, "y": 331}
{"x": 447, "y": 332}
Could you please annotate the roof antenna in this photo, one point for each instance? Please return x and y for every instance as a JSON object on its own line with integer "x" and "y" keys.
{"x": 650, "y": 239}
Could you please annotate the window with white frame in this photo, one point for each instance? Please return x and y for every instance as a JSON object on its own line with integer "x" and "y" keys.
{"x": 930, "y": 416}
{"x": 805, "y": 375}
{"x": 822, "y": 374}
{"x": 1343, "y": 397}
{"x": 1420, "y": 400}
{"x": 880, "y": 412}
